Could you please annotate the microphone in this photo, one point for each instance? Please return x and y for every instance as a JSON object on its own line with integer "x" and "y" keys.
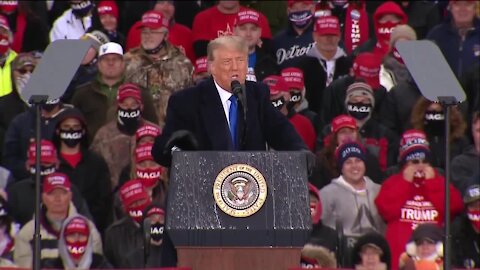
{"x": 237, "y": 90}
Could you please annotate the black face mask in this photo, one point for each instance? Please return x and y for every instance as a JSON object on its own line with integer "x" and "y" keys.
{"x": 296, "y": 97}
{"x": 155, "y": 50}
{"x": 359, "y": 110}
{"x": 290, "y": 106}
{"x": 81, "y": 9}
{"x": 156, "y": 232}
{"x": 44, "y": 170}
{"x": 71, "y": 137}
{"x": 434, "y": 123}
{"x": 128, "y": 120}
{"x": 278, "y": 103}
{"x": 48, "y": 107}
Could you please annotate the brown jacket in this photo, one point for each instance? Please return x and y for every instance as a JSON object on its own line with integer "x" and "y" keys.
{"x": 115, "y": 147}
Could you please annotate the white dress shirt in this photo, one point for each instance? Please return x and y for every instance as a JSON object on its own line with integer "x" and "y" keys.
{"x": 224, "y": 96}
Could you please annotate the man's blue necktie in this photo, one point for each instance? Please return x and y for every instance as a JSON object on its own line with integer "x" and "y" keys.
{"x": 232, "y": 117}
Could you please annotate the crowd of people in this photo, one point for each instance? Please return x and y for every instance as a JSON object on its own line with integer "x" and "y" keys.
{"x": 338, "y": 88}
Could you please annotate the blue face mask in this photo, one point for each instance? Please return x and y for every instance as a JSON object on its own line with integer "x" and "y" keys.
{"x": 301, "y": 19}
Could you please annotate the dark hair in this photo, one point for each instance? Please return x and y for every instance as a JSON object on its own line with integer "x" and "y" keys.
{"x": 457, "y": 123}
{"x": 376, "y": 239}
{"x": 327, "y": 155}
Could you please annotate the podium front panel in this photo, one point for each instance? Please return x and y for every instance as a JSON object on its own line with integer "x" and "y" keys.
{"x": 195, "y": 219}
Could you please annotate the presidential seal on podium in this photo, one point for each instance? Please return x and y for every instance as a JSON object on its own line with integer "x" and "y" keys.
{"x": 240, "y": 190}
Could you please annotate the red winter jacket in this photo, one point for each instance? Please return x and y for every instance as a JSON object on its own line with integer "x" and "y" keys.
{"x": 403, "y": 206}
{"x": 305, "y": 129}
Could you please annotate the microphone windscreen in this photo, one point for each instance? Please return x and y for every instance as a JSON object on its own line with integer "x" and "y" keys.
{"x": 236, "y": 87}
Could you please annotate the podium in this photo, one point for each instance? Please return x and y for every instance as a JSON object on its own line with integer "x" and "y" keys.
{"x": 238, "y": 210}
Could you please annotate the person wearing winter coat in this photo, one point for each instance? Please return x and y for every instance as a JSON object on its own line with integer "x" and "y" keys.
{"x": 97, "y": 99}
{"x": 324, "y": 62}
{"x": 295, "y": 81}
{"x": 57, "y": 207}
{"x": 115, "y": 141}
{"x": 366, "y": 67}
{"x": 349, "y": 199}
{"x": 294, "y": 41}
{"x": 381, "y": 142}
{"x": 393, "y": 68}
{"x": 158, "y": 253}
{"x": 459, "y": 36}
{"x": 145, "y": 169}
{"x": 415, "y": 195}
{"x": 280, "y": 98}
{"x": 87, "y": 170}
{"x": 20, "y": 132}
{"x": 108, "y": 21}
{"x": 371, "y": 252}
{"x": 11, "y": 102}
{"x": 320, "y": 249}
{"x": 424, "y": 251}
{"x": 466, "y": 230}
{"x": 354, "y": 21}
{"x": 28, "y": 24}
{"x": 75, "y": 247}
{"x": 126, "y": 234}
{"x": 21, "y": 194}
{"x": 388, "y": 15}
{"x": 429, "y": 117}
{"x": 260, "y": 63}
{"x": 343, "y": 129}
{"x": 74, "y": 22}
{"x": 465, "y": 166}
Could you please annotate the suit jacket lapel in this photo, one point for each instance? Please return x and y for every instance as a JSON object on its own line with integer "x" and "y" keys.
{"x": 213, "y": 117}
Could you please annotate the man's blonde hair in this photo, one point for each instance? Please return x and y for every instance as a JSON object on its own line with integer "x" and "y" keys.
{"x": 231, "y": 42}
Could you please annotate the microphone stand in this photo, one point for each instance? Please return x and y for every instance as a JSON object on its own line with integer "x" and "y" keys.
{"x": 447, "y": 103}
{"x": 37, "y": 101}
{"x": 147, "y": 223}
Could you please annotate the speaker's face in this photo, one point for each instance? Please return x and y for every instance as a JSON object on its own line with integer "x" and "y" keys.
{"x": 229, "y": 64}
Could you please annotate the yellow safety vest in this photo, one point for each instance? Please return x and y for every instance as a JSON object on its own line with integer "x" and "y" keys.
{"x": 6, "y": 75}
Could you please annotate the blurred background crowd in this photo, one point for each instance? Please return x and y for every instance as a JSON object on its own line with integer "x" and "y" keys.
{"x": 332, "y": 69}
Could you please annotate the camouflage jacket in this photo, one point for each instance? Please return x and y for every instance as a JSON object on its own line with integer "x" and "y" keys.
{"x": 172, "y": 72}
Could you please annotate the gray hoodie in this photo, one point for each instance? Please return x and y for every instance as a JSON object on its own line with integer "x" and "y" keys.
{"x": 314, "y": 52}
{"x": 86, "y": 260}
{"x": 355, "y": 209}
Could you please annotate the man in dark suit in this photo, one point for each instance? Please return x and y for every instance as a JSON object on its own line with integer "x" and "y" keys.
{"x": 204, "y": 117}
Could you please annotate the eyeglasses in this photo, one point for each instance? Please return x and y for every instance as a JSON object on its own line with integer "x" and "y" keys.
{"x": 25, "y": 70}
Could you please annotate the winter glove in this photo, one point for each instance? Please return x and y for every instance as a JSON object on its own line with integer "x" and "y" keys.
{"x": 181, "y": 140}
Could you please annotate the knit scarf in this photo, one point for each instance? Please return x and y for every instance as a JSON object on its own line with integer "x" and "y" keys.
{"x": 356, "y": 29}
